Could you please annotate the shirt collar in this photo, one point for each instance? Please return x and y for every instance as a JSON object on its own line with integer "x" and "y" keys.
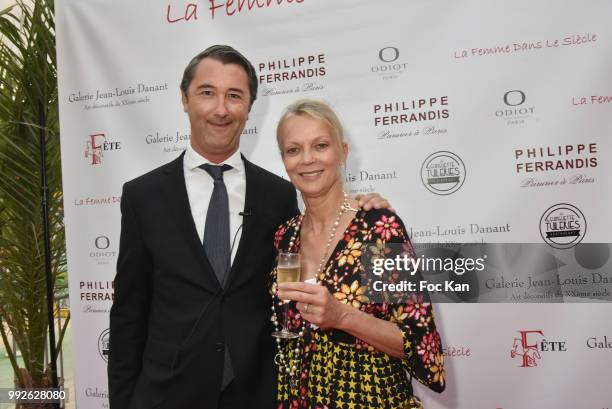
{"x": 194, "y": 160}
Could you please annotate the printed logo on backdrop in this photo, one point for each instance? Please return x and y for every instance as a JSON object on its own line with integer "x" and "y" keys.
{"x": 103, "y": 344}
{"x": 389, "y": 65}
{"x": 97, "y": 201}
{"x": 103, "y": 251}
{"x": 523, "y": 45}
{"x": 530, "y": 347}
{"x": 592, "y": 100}
{"x": 118, "y": 97}
{"x": 90, "y": 290}
{"x": 97, "y": 394}
{"x": 399, "y": 118}
{"x": 461, "y": 232}
{"x": 443, "y": 173}
{"x": 96, "y": 145}
{"x": 189, "y": 12}
{"x": 281, "y": 75}
{"x": 168, "y": 142}
{"x": 563, "y": 226}
{"x": 366, "y": 180}
{"x": 556, "y": 165}
{"x": 516, "y": 110}
{"x": 600, "y": 342}
{"x": 456, "y": 351}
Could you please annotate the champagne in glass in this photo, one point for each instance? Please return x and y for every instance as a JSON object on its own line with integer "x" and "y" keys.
{"x": 287, "y": 270}
{"x": 287, "y": 274}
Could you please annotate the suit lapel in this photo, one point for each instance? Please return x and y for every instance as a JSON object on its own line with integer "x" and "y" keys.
{"x": 251, "y": 206}
{"x": 175, "y": 193}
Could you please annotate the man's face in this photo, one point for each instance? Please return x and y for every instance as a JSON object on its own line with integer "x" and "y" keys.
{"x": 217, "y": 103}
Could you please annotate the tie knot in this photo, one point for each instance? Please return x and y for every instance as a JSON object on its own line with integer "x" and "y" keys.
{"x": 215, "y": 171}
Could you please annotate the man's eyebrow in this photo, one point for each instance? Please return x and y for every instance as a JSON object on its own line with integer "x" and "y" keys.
{"x": 202, "y": 86}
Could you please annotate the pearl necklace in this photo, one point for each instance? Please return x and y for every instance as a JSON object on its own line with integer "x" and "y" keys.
{"x": 290, "y": 365}
{"x": 345, "y": 207}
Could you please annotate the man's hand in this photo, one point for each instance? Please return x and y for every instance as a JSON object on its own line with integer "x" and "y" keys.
{"x": 373, "y": 201}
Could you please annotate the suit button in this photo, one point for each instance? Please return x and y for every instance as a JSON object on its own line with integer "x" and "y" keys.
{"x": 219, "y": 346}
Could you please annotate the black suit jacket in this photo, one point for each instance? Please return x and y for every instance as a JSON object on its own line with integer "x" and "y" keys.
{"x": 170, "y": 319}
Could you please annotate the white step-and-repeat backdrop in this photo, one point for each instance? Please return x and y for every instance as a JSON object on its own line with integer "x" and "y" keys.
{"x": 480, "y": 121}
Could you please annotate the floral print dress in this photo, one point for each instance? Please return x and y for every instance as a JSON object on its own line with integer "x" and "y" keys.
{"x": 336, "y": 369}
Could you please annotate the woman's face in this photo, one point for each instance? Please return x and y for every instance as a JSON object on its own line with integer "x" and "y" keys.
{"x": 312, "y": 154}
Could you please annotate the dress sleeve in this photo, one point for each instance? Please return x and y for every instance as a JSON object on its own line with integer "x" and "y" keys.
{"x": 411, "y": 311}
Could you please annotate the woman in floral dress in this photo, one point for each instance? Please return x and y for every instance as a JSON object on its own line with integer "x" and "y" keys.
{"x": 356, "y": 349}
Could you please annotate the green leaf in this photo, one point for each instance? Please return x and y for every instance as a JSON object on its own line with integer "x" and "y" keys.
{"x": 28, "y": 87}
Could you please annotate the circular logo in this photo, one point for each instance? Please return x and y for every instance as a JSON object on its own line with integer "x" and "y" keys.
{"x": 103, "y": 344}
{"x": 514, "y": 98}
{"x": 388, "y": 54}
{"x": 102, "y": 242}
{"x": 443, "y": 173}
{"x": 563, "y": 226}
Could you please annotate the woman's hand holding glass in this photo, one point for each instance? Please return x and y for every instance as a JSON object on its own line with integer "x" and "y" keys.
{"x": 315, "y": 303}
{"x": 287, "y": 270}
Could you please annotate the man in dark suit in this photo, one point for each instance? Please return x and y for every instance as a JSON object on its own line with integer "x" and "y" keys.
{"x": 190, "y": 323}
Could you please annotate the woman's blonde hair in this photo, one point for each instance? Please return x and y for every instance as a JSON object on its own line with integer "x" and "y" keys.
{"x": 317, "y": 110}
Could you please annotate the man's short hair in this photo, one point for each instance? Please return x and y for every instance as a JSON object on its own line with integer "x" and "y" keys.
{"x": 226, "y": 55}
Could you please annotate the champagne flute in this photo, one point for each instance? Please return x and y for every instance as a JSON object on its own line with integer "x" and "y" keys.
{"x": 287, "y": 270}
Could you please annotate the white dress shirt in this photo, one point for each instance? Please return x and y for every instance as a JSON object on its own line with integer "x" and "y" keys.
{"x": 200, "y": 187}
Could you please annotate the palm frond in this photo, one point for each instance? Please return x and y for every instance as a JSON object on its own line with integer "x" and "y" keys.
{"x": 28, "y": 106}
